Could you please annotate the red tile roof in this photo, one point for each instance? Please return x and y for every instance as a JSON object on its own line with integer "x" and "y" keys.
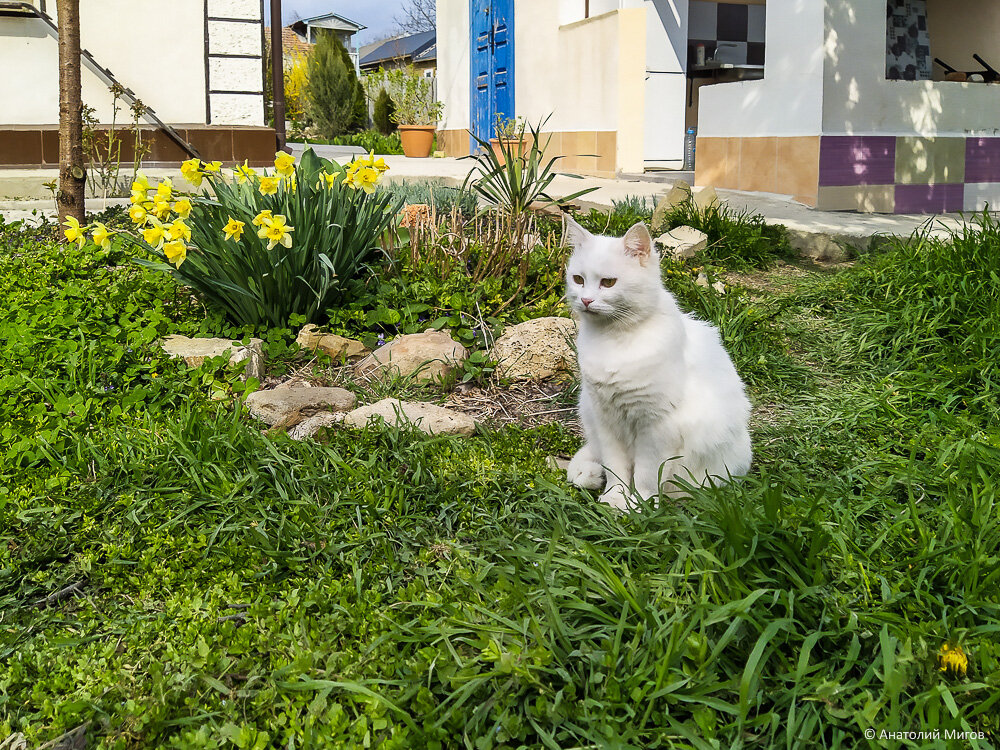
{"x": 291, "y": 43}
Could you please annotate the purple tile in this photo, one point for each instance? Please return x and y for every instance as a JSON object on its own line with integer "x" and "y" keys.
{"x": 857, "y": 160}
{"x": 982, "y": 159}
{"x": 929, "y": 199}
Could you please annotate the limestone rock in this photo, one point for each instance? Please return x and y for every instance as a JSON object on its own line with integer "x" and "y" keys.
{"x": 682, "y": 242}
{"x": 706, "y": 198}
{"x": 195, "y": 351}
{"x": 434, "y": 420}
{"x": 287, "y": 407}
{"x": 821, "y": 246}
{"x": 313, "y": 339}
{"x": 536, "y": 349}
{"x": 308, "y": 428}
{"x": 679, "y": 193}
{"x": 428, "y": 356}
{"x": 557, "y": 463}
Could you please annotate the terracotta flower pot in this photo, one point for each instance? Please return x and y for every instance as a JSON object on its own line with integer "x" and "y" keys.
{"x": 514, "y": 145}
{"x": 417, "y": 140}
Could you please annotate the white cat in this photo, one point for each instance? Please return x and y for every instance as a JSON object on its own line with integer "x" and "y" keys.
{"x": 659, "y": 396}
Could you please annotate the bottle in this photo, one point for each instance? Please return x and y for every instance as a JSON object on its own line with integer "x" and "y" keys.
{"x": 690, "y": 139}
{"x": 699, "y": 54}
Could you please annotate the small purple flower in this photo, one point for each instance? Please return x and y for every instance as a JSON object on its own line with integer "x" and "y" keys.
{"x": 381, "y": 339}
{"x": 422, "y": 319}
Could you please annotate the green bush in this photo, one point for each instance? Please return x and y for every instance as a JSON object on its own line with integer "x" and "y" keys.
{"x": 371, "y": 140}
{"x": 382, "y": 115}
{"x": 275, "y": 246}
{"x": 335, "y": 96}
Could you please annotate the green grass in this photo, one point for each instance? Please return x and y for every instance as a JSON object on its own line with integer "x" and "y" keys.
{"x": 386, "y": 589}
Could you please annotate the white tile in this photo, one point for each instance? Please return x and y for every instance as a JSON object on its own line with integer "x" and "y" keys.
{"x": 755, "y": 20}
{"x": 703, "y": 20}
{"x": 979, "y": 194}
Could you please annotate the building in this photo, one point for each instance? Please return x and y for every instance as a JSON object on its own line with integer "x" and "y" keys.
{"x": 418, "y": 50}
{"x": 308, "y": 29}
{"x": 836, "y": 103}
{"x": 198, "y": 68}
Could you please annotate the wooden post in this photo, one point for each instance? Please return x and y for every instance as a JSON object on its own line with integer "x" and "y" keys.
{"x": 278, "y": 74}
{"x": 72, "y": 176}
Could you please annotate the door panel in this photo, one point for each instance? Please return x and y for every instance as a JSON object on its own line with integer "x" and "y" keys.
{"x": 492, "y": 64}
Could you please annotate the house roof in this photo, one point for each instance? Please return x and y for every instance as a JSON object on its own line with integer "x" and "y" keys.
{"x": 411, "y": 46}
{"x": 334, "y": 17}
{"x": 291, "y": 43}
{"x": 428, "y": 54}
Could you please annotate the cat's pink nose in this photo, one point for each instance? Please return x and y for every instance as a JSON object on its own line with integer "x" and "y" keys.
{"x": 586, "y": 301}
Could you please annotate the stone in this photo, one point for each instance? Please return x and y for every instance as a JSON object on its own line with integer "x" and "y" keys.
{"x": 682, "y": 242}
{"x": 680, "y": 193}
{"x": 820, "y": 246}
{"x": 718, "y": 286}
{"x": 286, "y": 407}
{"x": 706, "y": 198}
{"x": 313, "y": 339}
{"x": 194, "y": 352}
{"x": 308, "y": 427}
{"x": 557, "y": 463}
{"x": 434, "y": 420}
{"x": 427, "y": 356}
{"x": 536, "y": 349}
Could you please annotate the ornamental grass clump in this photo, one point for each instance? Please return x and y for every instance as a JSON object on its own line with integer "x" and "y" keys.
{"x": 262, "y": 247}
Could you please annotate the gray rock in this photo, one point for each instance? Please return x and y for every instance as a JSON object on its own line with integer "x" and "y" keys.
{"x": 821, "y": 246}
{"x": 718, "y": 286}
{"x": 312, "y": 338}
{"x": 434, "y": 420}
{"x": 536, "y": 349}
{"x": 682, "y": 242}
{"x": 195, "y": 351}
{"x": 706, "y": 198}
{"x": 310, "y": 426}
{"x": 286, "y": 407}
{"x": 427, "y": 356}
{"x": 679, "y": 193}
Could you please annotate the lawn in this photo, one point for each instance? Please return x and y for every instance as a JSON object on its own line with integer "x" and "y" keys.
{"x": 171, "y": 575}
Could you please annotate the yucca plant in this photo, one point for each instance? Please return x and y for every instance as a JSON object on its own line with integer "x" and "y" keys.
{"x": 265, "y": 247}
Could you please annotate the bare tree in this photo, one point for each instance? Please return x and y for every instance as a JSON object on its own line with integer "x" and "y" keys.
{"x": 72, "y": 177}
{"x": 416, "y": 16}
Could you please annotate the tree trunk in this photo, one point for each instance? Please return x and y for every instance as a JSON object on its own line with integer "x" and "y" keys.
{"x": 72, "y": 177}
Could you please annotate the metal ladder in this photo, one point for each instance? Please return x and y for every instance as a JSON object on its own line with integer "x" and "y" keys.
{"x": 8, "y": 8}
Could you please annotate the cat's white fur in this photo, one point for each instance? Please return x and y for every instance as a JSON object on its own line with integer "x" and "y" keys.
{"x": 659, "y": 396}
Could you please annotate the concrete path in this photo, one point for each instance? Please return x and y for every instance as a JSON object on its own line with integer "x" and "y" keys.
{"x": 27, "y": 193}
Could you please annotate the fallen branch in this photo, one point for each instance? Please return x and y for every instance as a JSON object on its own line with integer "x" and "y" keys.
{"x": 61, "y": 594}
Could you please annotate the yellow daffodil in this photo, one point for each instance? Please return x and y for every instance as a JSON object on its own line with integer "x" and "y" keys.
{"x": 262, "y": 218}
{"x": 176, "y": 252}
{"x": 160, "y": 207}
{"x": 293, "y": 184}
{"x": 269, "y": 185}
{"x": 191, "y": 170}
{"x": 165, "y": 189}
{"x": 378, "y": 164}
{"x": 154, "y": 233}
{"x": 953, "y": 659}
{"x": 275, "y": 231}
{"x": 179, "y": 230}
{"x": 284, "y": 164}
{"x": 234, "y": 229}
{"x": 141, "y": 182}
{"x": 329, "y": 180}
{"x": 74, "y": 232}
{"x": 245, "y": 173}
{"x": 366, "y": 178}
{"x": 212, "y": 166}
{"x": 183, "y": 208}
{"x": 102, "y": 236}
{"x": 138, "y": 214}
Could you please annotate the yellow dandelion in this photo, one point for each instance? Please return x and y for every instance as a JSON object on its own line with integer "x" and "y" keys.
{"x": 953, "y": 659}
{"x": 176, "y": 252}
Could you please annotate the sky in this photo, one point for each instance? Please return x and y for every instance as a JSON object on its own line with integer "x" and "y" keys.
{"x": 377, "y": 15}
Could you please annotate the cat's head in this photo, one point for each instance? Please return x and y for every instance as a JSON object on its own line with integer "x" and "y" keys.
{"x": 612, "y": 278}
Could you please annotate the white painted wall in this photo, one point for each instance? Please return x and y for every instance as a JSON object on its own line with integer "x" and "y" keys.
{"x": 666, "y": 82}
{"x": 453, "y": 63}
{"x": 160, "y": 55}
{"x": 858, "y": 98}
{"x": 788, "y": 101}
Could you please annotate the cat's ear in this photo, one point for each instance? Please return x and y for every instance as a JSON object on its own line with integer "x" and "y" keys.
{"x": 575, "y": 234}
{"x": 638, "y": 243}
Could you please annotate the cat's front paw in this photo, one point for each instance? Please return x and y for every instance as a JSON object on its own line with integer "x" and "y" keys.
{"x": 585, "y": 472}
{"x": 617, "y": 496}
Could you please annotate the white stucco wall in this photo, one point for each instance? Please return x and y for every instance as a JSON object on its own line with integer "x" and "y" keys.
{"x": 453, "y": 63}
{"x": 858, "y": 98}
{"x": 158, "y": 53}
{"x": 788, "y": 101}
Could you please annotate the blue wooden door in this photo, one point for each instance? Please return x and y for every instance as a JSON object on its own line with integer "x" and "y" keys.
{"x": 492, "y": 62}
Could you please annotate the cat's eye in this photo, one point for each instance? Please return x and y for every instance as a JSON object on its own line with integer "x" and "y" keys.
{"x": 578, "y": 280}
{"x": 608, "y": 283}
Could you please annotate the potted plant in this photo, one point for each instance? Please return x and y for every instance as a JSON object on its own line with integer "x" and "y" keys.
{"x": 510, "y": 137}
{"x": 417, "y": 113}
